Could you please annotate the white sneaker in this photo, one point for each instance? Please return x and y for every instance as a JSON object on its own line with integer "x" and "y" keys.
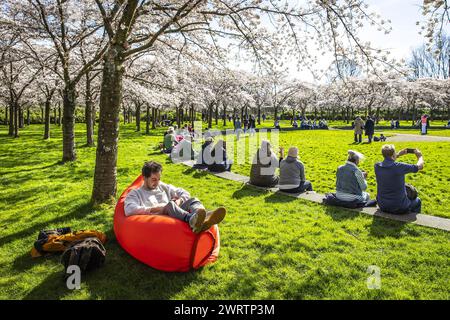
{"x": 196, "y": 221}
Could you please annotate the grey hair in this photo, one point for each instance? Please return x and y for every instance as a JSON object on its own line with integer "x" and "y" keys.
{"x": 354, "y": 156}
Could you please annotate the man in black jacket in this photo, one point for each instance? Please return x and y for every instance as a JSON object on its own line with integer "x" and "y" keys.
{"x": 370, "y": 128}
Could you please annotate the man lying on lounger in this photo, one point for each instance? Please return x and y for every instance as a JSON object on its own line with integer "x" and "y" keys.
{"x": 156, "y": 197}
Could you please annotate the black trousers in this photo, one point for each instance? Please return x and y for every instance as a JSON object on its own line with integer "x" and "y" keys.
{"x": 304, "y": 186}
{"x": 358, "y": 137}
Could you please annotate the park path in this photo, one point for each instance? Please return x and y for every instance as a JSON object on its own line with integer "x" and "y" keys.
{"x": 401, "y": 137}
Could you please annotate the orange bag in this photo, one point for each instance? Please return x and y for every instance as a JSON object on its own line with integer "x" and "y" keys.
{"x": 163, "y": 242}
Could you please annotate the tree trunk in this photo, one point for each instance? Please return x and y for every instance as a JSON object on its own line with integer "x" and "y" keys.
{"x": 105, "y": 185}
{"x": 55, "y": 118}
{"x": 88, "y": 114}
{"x": 47, "y": 119}
{"x": 11, "y": 119}
{"x": 259, "y": 114}
{"x": 16, "y": 121}
{"x": 124, "y": 115}
{"x": 210, "y": 116}
{"x": 21, "y": 120}
{"x": 154, "y": 111}
{"x": 138, "y": 117}
{"x": 378, "y": 115}
{"x": 68, "y": 123}
{"x": 42, "y": 115}
{"x": 59, "y": 115}
{"x": 147, "y": 121}
{"x": 28, "y": 116}
{"x": 224, "y": 115}
{"x": 177, "y": 114}
{"x": 217, "y": 114}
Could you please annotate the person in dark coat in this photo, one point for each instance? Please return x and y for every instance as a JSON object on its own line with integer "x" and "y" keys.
{"x": 369, "y": 128}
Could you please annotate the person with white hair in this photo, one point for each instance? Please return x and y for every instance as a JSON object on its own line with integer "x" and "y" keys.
{"x": 264, "y": 165}
{"x": 351, "y": 182}
{"x": 292, "y": 174}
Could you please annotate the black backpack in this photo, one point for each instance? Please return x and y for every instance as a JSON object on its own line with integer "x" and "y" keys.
{"x": 88, "y": 254}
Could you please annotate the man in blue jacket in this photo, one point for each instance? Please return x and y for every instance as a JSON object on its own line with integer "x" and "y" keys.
{"x": 392, "y": 196}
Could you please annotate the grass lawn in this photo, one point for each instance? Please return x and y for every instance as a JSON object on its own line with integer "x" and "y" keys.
{"x": 272, "y": 246}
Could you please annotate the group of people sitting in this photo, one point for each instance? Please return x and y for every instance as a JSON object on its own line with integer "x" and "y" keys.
{"x": 310, "y": 125}
{"x": 393, "y": 195}
{"x": 213, "y": 156}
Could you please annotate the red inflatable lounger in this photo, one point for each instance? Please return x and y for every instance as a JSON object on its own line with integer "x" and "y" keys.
{"x": 162, "y": 242}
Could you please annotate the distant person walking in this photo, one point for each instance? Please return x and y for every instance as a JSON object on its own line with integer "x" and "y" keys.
{"x": 369, "y": 127}
{"x": 358, "y": 129}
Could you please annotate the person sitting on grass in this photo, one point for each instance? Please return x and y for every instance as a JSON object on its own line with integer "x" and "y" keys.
{"x": 156, "y": 197}
{"x": 264, "y": 165}
{"x": 292, "y": 174}
{"x": 184, "y": 150}
{"x": 381, "y": 138}
{"x": 205, "y": 153}
{"x": 220, "y": 161}
{"x": 448, "y": 125}
{"x": 351, "y": 181}
{"x": 393, "y": 195}
{"x": 169, "y": 140}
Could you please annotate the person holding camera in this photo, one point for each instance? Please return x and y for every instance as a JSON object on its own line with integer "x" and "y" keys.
{"x": 393, "y": 195}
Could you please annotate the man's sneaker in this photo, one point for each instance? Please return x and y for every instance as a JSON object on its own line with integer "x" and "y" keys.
{"x": 214, "y": 217}
{"x": 197, "y": 220}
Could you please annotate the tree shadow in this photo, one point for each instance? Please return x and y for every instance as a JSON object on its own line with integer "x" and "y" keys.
{"x": 78, "y": 212}
{"x": 196, "y": 173}
{"x": 35, "y": 168}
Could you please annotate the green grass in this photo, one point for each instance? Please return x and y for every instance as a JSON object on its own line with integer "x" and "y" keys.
{"x": 272, "y": 246}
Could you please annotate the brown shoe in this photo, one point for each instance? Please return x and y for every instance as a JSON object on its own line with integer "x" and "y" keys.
{"x": 197, "y": 221}
{"x": 214, "y": 217}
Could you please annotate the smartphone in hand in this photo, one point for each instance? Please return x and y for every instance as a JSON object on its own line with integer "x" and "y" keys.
{"x": 410, "y": 150}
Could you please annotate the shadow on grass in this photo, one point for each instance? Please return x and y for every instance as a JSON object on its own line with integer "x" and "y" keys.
{"x": 35, "y": 168}
{"x": 247, "y": 191}
{"x": 78, "y": 212}
{"x": 339, "y": 213}
{"x": 278, "y": 197}
{"x": 382, "y": 227}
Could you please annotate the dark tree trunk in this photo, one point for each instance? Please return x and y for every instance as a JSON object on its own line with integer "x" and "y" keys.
{"x": 105, "y": 185}
{"x": 28, "y": 116}
{"x": 88, "y": 114}
{"x": 124, "y": 115}
{"x": 6, "y": 114}
{"x": 42, "y": 115}
{"x": 16, "y": 121}
{"x": 224, "y": 115}
{"x": 21, "y": 119}
{"x": 138, "y": 117}
{"x": 147, "y": 121}
{"x": 210, "y": 116}
{"x": 177, "y": 113}
{"x": 259, "y": 114}
{"x": 275, "y": 113}
{"x": 47, "y": 119}
{"x": 55, "y": 118}
{"x": 154, "y": 112}
{"x": 217, "y": 114}
{"x": 378, "y": 115}
{"x": 59, "y": 115}
{"x": 192, "y": 116}
{"x": 68, "y": 123}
